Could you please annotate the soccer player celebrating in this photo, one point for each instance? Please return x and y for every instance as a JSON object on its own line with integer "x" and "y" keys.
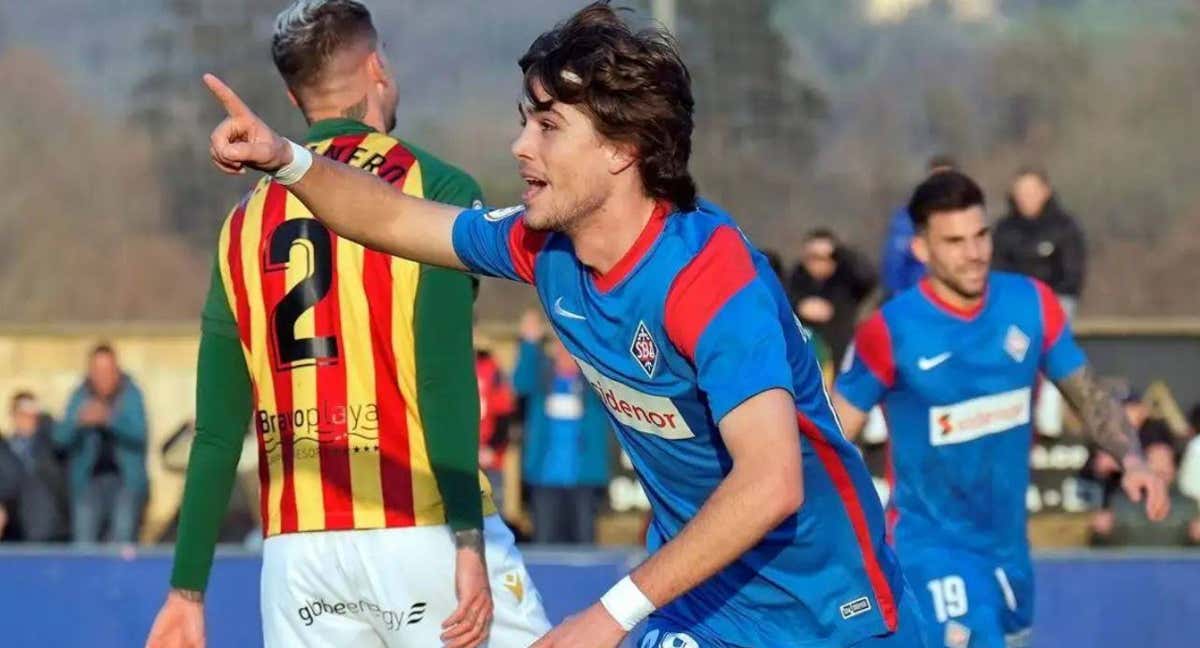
{"x": 954, "y": 361}
{"x": 680, "y": 326}
{"x": 359, "y": 371}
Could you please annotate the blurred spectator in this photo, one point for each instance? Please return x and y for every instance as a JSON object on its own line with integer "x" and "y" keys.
{"x": 104, "y": 436}
{"x": 566, "y": 441}
{"x": 32, "y": 491}
{"x": 1124, "y": 523}
{"x": 1189, "y": 471}
{"x": 827, "y": 286}
{"x": 497, "y": 403}
{"x": 900, "y": 268}
{"x": 1038, "y": 238}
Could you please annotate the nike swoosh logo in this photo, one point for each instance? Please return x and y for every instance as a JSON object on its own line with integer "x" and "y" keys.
{"x": 559, "y": 310}
{"x": 925, "y": 364}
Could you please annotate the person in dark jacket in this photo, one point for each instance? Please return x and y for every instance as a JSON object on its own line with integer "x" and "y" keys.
{"x": 32, "y": 490}
{"x": 827, "y": 287}
{"x": 104, "y": 436}
{"x": 1040, "y": 239}
{"x": 567, "y": 440}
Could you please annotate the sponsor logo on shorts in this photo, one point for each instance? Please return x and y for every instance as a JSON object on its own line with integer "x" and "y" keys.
{"x": 978, "y": 417}
{"x": 957, "y": 635}
{"x": 647, "y": 413}
{"x": 657, "y": 639}
{"x": 393, "y": 620}
{"x": 855, "y": 607}
{"x": 515, "y": 584}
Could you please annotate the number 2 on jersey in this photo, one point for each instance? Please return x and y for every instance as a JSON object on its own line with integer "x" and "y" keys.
{"x": 305, "y": 295}
{"x": 949, "y": 597}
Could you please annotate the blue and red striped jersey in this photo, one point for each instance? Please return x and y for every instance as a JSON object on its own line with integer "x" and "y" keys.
{"x": 688, "y": 325}
{"x": 957, "y": 390}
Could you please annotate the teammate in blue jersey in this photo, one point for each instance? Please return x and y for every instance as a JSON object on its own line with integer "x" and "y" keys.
{"x": 679, "y": 325}
{"x": 954, "y": 362}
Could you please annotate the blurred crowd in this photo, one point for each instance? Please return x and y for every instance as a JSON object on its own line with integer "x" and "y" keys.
{"x": 80, "y": 475}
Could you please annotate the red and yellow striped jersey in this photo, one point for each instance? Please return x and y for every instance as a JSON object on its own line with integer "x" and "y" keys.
{"x": 327, "y": 330}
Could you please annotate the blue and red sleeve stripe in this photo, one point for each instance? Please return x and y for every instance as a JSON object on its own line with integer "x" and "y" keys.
{"x": 721, "y": 269}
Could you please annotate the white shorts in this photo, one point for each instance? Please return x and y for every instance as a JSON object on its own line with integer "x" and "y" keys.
{"x": 387, "y": 588}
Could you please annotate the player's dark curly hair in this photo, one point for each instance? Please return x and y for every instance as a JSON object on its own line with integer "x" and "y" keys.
{"x": 633, "y": 85}
{"x": 942, "y": 192}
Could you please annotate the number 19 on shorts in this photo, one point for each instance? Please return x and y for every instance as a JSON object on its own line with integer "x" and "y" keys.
{"x": 949, "y": 597}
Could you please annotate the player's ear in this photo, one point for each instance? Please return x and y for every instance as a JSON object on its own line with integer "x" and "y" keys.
{"x": 621, "y": 156}
{"x": 377, "y": 69}
{"x": 920, "y": 247}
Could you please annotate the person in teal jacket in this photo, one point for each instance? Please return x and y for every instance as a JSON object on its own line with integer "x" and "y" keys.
{"x": 104, "y": 437}
{"x": 566, "y": 451}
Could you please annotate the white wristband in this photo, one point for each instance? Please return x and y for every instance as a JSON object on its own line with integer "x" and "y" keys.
{"x": 627, "y": 604}
{"x": 291, "y": 172}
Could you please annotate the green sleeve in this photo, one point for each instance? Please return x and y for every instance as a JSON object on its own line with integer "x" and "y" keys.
{"x": 446, "y": 183}
{"x": 223, "y": 406}
{"x": 447, "y": 391}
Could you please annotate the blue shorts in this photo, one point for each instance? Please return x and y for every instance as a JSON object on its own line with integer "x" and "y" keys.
{"x": 666, "y": 633}
{"x": 970, "y": 600}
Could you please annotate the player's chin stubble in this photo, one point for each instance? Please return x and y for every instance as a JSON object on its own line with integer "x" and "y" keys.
{"x": 562, "y": 220}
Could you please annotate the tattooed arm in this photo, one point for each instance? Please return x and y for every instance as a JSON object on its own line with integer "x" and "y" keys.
{"x": 1103, "y": 420}
{"x": 1106, "y": 425}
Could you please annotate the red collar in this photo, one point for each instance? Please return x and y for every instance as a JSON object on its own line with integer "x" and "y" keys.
{"x": 658, "y": 219}
{"x": 957, "y": 311}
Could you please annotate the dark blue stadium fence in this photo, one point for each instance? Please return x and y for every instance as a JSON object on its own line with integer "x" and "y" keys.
{"x": 58, "y": 598}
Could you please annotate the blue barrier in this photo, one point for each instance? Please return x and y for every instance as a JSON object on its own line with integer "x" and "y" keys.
{"x": 105, "y": 600}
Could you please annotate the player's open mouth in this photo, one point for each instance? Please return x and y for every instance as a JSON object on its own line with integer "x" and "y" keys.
{"x": 533, "y": 186}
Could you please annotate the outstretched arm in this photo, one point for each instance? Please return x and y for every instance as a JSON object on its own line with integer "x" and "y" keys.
{"x": 1107, "y": 426}
{"x": 353, "y": 203}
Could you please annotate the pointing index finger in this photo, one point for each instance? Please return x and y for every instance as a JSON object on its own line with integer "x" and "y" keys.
{"x": 233, "y": 104}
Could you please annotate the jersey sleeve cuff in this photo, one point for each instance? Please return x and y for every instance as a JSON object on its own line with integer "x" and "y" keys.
{"x": 730, "y": 401}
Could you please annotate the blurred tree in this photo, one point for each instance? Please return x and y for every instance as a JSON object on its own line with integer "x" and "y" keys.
{"x": 81, "y": 209}
{"x": 756, "y": 120}
{"x": 230, "y": 38}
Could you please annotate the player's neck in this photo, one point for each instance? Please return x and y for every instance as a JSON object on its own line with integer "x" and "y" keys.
{"x": 952, "y": 297}
{"x": 607, "y": 235}
{"x": 370, "y": 116}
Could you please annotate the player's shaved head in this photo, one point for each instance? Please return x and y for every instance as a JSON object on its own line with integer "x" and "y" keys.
{"x": 633, "y": 86}
{"x": 329, "y": 54}
{"x": 318, "y": 39}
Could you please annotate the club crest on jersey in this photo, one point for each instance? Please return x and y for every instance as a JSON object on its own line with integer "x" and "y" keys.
{"x": 644, "y": 350}
{"x": 1016, "y": 343}
{"x": 500, "y": 214}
